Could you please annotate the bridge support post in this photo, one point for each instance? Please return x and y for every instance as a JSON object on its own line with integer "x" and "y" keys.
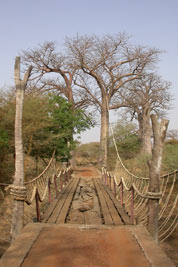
{"x": 18, "y": 210}
{"x": 159, "y": 134}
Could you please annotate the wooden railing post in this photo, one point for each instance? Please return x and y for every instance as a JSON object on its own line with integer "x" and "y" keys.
{"x": 68, "y": 175}
{"x": 65, "y": 177}
{"x": 114, "y": 186}
{"x": 121, "y": 193}
{"x": 102, "y": 177}
{"x": 37, "y": 206}
{"x": 49, "y": 190}
{"x": 132, "y": 205}
{"x": 105, "y": 178}
{"x": 110, "y": 177}
{"x": 61, "y": 181}
{"x": 55, "y": 184}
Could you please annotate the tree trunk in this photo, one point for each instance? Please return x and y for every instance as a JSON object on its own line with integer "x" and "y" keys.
{"x": 73, "y": 160}
{"x": 18, "y": 211}
{"x": 145, "y": 132}
{"x": 159, "y": 134}
{"x": 104, "y": 132}
{"x": 17, "y": 218}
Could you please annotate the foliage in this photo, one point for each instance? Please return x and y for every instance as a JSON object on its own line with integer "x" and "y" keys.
{"x": 129, "y": 149}
{"x": 65, "y": 122}
{"x": 49, "y": 123}
{"x": 170, "y": 156}
{"x": 4, "y": 143}
{"x": 87, "y": 153}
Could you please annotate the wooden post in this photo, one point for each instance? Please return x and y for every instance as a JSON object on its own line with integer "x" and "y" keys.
{"x": 114, "y": 186}
{"x": 102, "y": 177}
{"x": 121, "y": 193}
{"x": 110, "y": 177}
{"x": 37, "y": 206}
{"x": 49, "y": 190}
{"x": 105, "y": 178}
{"x": 65, "y": 178}
{"x": 61, "y": 181}
{"x": 18, "y": 210}
{"x": 159, "y": 134}
{"x": 132, "y": 206}
{"x": 55, "y": 184}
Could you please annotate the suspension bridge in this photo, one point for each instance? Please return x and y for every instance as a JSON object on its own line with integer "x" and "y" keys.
{"x": 92, "y": 218}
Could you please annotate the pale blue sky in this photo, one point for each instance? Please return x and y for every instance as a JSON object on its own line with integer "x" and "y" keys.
{"x": 24, "y": 24}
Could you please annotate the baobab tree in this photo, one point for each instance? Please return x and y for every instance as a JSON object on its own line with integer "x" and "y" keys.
{"x": 148, "y": 95}
{"x": 105, "y": 65}
{"x": 52, "y": 72}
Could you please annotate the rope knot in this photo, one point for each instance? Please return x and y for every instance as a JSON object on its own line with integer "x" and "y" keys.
{"x": 18, "y": 192}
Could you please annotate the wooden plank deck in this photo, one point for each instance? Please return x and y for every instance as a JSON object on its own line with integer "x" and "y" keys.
{"x": 58, "y": 209}
{"x": 125, "y": 218}
{"x": 110, "y": 211}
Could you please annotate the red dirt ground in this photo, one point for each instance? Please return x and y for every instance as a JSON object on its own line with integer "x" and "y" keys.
{"x": 86, "y": 172}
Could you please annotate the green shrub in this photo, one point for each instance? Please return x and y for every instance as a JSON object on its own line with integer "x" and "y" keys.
{"x": 170, "y": 156}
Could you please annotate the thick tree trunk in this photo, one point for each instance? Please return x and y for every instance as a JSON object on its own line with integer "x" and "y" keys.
{"x": 145, "y": 133}
{"x": 104, "y": 132}
{"x": 18, "y": 211}
{"x": 159, "y": 134}
{"x": 17, "y": 218}
{"x": 73, "y": 160}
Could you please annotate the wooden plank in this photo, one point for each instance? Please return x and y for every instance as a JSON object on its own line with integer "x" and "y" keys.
{"x": 52, "y": 206}
{"x": 119, "y": 207}
{"x": 60, "y": 203}
{"x": 115, "y": 216}
{"x": 105, "y": 211}
{"x": 58, "y": 207}
{"x": 64, "y": 211}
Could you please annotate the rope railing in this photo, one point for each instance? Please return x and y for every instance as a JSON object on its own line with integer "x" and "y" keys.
{"x": 168, "y": 214}
{"x": 132, "y": 192}
{"x": 133, "y": 195}
{"x": 41, "y": 189}
{"x": 42, "y": 186}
